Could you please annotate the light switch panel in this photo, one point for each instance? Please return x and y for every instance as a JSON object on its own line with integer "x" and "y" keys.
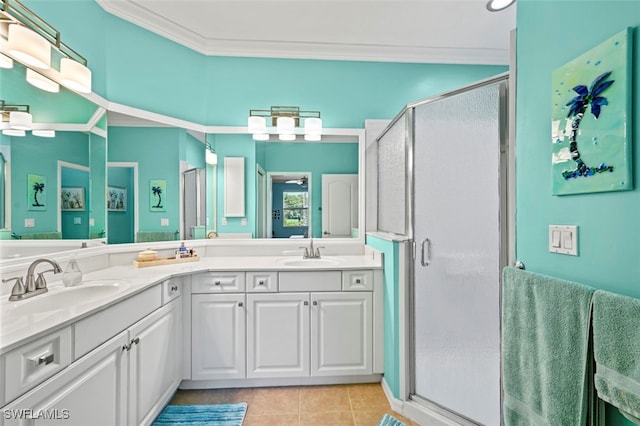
{"x": 563, "y": 239}
{"x": 29, "y": 223}
{"x": 164, "y": 221}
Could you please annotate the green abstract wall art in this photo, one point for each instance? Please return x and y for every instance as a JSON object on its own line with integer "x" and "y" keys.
{"x": 590, "y": 120}
{"x": 157, "y": 195}
{"x": 36, "y": 192}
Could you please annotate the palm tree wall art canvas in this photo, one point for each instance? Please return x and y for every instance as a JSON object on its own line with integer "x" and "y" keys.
{"x": 157, "y": 195}
{"x": 590, "y": 120}
{"x": 36, "y": 192}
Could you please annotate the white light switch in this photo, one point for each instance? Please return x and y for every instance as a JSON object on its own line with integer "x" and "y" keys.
{"x": 243, "y": 221}
{"x": 92, "y": 222}
{"x": 563, "y": 239}
{"x": 29, "y": 223}
{"x": 164, "y": 221}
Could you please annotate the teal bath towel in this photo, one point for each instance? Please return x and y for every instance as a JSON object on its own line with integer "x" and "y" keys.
{"x": 616, "y": 347}
{"x": 545, "y": 349}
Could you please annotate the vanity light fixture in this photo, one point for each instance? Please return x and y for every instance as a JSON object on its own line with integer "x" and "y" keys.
{"x": 18, "y": 116}
{"x": 498, "y": 5}
{"x": 285, "y": 119}
{"x": 30, "y": 39}
{"x": 44, "y": 133}
{"x": 42, "y": 82}
{"x": 5, "y": 61}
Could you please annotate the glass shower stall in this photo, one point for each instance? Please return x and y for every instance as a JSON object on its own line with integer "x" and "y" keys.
{"x": 442, "y": 165}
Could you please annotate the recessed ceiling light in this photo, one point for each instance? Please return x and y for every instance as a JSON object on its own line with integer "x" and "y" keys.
{"x": 497, "y": 5}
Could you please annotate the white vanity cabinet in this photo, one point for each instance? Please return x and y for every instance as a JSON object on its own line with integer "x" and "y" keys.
{"x": 90, "y": 391}
{"x": 154, "y": 353}
{"x": 125, "y": 381}
{"x": 278, "y": 335}
{"x": 218, "y": 336}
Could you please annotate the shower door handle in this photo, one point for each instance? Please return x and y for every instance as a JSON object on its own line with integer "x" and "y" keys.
{"x": 425, "y": 260}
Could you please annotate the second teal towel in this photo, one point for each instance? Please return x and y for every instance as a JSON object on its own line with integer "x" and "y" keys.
{"x": 545, "y": 336}
{"x": 616, "y": 347}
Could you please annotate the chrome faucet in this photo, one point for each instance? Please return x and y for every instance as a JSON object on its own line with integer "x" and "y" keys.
{"x": 311, "y": 252}
{"x": 33, "y": 286}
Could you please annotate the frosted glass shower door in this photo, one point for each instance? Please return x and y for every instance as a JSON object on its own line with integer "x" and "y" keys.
{"x": 456, "y": 297}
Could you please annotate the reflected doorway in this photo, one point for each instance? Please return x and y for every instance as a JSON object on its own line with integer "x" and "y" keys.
{"x": 122, "y": 202}
{"x": 73, "y": 200}
{"x": 290, "y": 205}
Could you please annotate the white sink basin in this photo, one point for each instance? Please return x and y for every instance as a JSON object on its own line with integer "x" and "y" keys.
{"x": 63, "y": 298}
{"x": 310, "y": 263}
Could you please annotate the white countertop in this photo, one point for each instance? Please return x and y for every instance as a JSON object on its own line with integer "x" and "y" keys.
{"x": 16, "y": 329}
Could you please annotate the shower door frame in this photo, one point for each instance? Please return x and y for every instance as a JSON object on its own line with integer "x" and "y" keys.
{"x": 506, "y": 176}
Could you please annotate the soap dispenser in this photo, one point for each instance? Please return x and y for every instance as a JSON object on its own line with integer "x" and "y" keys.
{"x": 72, "y": 274}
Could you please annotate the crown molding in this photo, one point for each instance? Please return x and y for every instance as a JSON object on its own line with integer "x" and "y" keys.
{"x": 145, "y": 18}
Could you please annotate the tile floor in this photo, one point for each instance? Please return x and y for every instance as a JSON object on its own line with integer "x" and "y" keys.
{"x": 334, "y": 405}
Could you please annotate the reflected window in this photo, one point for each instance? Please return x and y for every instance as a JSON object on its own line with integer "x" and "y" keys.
{"x": 295, "y": 209}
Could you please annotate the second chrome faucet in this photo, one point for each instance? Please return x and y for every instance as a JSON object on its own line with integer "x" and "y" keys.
{"x": 311, "y": 252}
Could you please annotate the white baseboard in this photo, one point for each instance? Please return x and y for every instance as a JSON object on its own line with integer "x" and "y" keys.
{"x": 397, "y": 405}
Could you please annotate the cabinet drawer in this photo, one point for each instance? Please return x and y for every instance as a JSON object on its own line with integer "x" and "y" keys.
{"x": 357, "y": 280}
{"x": 310, "y": 281}
{"x": 260, "y": 282}
{"x": 171, "y": 289}
{"x": 215, "y": 282}
{"x": 31, "y": 364}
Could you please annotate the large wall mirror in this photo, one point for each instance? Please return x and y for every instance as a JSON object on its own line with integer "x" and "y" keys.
{"x": 54, "y": 175}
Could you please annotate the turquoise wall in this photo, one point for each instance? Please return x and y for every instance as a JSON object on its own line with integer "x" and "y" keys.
{"x": 391, "y": 253}
{"x": 121, "y": 223}
{"x": 609, "y": 229}
{"x": 157, "y": 152}
{"x": 34, "y": 155}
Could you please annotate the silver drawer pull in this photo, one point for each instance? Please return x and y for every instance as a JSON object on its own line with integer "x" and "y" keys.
{"x": 174, "y": 288}
{"x": 315, "y": 303}
{"x": 306, "y": 303}
{"x": 45, "y": 359}
{"x": 357, "y": 280}
{"x": 240, "y": 304}
{"x": 261, "y": 282}
{"x": 217, "y": 283}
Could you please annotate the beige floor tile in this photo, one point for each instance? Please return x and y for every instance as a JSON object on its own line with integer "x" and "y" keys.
{"x": 285, "y": 400}
{"x": 320, "y": 399}
{"x": 367, "y": 397}
{"x": 332, "y": 418}
{"x": 272, "y": 420}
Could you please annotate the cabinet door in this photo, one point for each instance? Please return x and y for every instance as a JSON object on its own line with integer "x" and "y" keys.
{"x": 153, "y": 362}
{"x": 341, "y": 334}
{"x": 218, "y": 336}
{"x": 278, "y": 335}
{"x": 90, "y": 391}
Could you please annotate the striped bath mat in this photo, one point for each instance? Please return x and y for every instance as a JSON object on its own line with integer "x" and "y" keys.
{"x": 389, "y": 420}
{"x": 201, "y": 415}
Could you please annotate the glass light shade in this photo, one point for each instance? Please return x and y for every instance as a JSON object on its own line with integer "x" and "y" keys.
{"x": 44, "y": 133}
{"x": 29, "y": 46}
{"x": 5, "y": 61}
{"x": 287, "y": 137}
{"x": 497, "y": 5}
{"x": 285, "y": 126}
{"x": 313, "y": 126}
{"x": 42, "y": 82}
{"x": 257, "y": 124}
{"x": 211, "y": 158}
{"x": 261, "y": 136}
{"x": 20, "y": 120}
{"x": 75, "y": 76}
{"x": 313, "y": 137}
{"x": 13, "y": 132}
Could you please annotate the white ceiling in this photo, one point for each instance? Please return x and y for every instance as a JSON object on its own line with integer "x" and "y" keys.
{"x": 432, "y": 31}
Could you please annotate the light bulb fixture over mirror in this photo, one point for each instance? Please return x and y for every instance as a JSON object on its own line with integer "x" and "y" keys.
{"x": 41, "y": 82}
{"x": 30, "y": 40}
{"x": 18, "y": 116}
{"x": 498, "y": 5}
{"x": 285, "y": 119}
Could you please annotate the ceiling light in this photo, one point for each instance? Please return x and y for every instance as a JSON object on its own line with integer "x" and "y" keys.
{"x": 75, "y": 75}
{"x": 20, "y": 120}
{"x": 498, "y": 5}
{"x": 29, "y": 46}
{"x": 287, "y": 137}
{"x": 44, "y": 133}
{"x": 5, "y": 61}
{"x": 13, "y": 132}
{"x": 261, "y": 136}
{"x": 42, "y": 82}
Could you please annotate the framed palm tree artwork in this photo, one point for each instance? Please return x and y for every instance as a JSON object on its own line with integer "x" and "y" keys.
{"x": 36, "y": 192}
{"x": 591, "y": 120}
{"x": 157, "y": 195}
